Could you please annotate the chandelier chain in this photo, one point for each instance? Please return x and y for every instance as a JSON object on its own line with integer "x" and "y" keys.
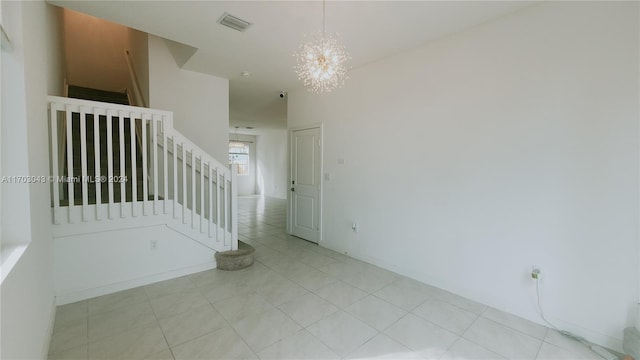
{"x": 323, "y": 17}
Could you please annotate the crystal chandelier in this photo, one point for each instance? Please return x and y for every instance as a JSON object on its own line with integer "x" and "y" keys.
{"x": 321, "y": 61}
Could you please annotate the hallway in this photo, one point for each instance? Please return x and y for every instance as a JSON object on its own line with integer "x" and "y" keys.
{"x": 298, "y": 301}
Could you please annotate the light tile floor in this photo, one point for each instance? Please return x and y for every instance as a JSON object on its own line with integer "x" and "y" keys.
{"x": 298, "y": 301}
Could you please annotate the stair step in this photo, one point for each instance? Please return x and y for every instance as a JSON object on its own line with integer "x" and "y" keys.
{"x": 116, "y": 199}
{"x": 84, "y": 93}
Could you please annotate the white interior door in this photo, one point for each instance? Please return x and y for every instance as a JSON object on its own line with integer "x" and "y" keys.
{"x": 305, "y": 184}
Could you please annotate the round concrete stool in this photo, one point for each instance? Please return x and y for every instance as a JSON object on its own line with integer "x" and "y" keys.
{"x": 236, "y": 259}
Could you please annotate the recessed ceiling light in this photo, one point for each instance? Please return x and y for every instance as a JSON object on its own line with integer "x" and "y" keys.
{"x": 245, "y": 73}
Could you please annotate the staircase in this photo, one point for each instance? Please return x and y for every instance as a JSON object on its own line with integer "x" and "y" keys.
{"x": 112, "y": 97}
{"x": 116, "y": 166}
{"x": 90, "y": 137}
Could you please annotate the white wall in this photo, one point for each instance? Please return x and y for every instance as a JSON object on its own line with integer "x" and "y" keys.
{"x": 200, "y": 102}
{"x": 94, "y": 50}
{"x": 512, "y": 144}
{"x": 95, "y": 264}
{"x": 27, "y": 291}
{"x": 271, "y": 149}
{"x": 247, "y": 184}
{"x": 95, "y": 57}
{"x": 138, "y": 44}
{"x": 15, "y": 205}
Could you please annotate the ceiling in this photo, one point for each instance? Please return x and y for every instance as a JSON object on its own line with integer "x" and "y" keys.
{"x": 371, "y": 30}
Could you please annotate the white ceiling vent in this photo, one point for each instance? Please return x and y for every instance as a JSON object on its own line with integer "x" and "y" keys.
{"x": 233, "y": 22}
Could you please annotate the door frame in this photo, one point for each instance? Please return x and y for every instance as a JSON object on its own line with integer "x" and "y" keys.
{"x": 290, "y": 131}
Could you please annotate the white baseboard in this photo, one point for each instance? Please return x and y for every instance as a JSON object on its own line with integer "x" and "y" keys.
{"x": 71, "y": 297}
{"x": 591, "y": 335}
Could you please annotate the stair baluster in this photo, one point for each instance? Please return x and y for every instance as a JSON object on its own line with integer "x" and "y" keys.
{"x": 96, "y": 150}
{"x": 53, "y": 116}
{"x": 70, "y": 179}
{"x": 145, "y": 168}
{"x": 103, "y": 138}
{"x": 134, "y": 166}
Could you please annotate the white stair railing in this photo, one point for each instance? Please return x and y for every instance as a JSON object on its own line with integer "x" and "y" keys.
{"x": 115, "y": 178}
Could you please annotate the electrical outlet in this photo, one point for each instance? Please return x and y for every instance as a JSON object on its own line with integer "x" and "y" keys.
{"x": 354, "y": 226}
{"x": 153, "y": 244}
{"x": 536, "y": 273}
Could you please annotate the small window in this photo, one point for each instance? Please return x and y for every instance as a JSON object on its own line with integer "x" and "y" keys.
{"x": 239, "y": 155}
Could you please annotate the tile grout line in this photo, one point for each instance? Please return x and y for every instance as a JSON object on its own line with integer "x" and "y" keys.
{"x": 87, "y": 305}
{"x": 473, "y": 342}
{"x": 177, "y": 314}
{"x": 160, "y": 326}
{"x": 302, "y": 328}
